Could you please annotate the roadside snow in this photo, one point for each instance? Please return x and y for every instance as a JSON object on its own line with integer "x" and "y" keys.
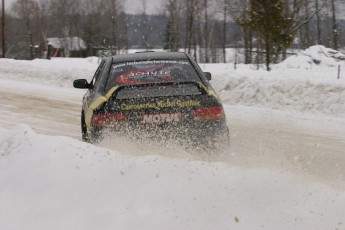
{"x": 56, "y": 72}
{"x": 60, "y": 183}
{"x": 306, "y": 82}
{"x": 288, "y": 90}
{"x": 57, "y": 182}
{"x": 314, "y": 57}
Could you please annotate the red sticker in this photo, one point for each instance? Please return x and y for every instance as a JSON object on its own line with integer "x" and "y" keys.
{"x": 143, "y": 75}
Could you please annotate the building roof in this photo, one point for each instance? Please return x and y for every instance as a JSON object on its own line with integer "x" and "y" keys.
{"x": 69, "y": 43}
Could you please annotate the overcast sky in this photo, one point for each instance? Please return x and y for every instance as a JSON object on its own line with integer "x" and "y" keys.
{"x": 136, "y": 6}
{"x": 156, "y": 6}
{"x": 131, "y": 6}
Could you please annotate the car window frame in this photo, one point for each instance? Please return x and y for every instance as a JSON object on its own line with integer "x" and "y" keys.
{"x": 97, "y": 76}
{"x": 199, "y": 71}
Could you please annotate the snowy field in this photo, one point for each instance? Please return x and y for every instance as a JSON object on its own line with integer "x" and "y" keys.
{"x": 285, "y": 168}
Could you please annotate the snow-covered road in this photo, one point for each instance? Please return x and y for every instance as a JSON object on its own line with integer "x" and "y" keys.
{"x": 300, "y": 143}
{"x": 48, "y": 110}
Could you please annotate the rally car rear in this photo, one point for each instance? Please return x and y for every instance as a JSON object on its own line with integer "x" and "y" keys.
{"x": 158, "y": 96}
{"x": 182, "y": 111}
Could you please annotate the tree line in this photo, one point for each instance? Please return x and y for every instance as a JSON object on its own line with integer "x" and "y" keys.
{"x": 267, "y": 28}
{"x": 263, "y": 29}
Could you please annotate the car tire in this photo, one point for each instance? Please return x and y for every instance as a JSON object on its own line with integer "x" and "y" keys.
{"x": 84, "y": 134}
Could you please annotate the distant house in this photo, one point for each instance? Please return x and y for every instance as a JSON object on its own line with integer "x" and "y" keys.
{"x": 67, "y": 47}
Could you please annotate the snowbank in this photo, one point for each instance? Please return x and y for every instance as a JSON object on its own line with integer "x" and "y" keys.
{"x": 282, "y": 89}
{"x": 60, "y": 183}
{"x": 56, "y": 72}
{"x": 296, "y": 84}
{"x": 313, "y": 57}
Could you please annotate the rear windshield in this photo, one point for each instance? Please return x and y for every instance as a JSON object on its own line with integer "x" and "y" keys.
{"x": 159, "y": 91}
{"x": 153, "y": 71}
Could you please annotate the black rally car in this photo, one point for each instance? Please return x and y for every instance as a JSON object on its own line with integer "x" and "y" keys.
{"x": 154, "y": 94}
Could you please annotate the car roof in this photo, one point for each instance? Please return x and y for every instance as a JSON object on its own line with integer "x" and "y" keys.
{"x": 143, "y": 56}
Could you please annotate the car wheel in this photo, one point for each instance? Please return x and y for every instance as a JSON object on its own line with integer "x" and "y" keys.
{"x": 84, "y": 135}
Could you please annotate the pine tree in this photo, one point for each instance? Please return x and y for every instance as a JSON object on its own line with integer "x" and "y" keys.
{"x": 268, "y": 21}
{"x": 167, "y": 37}
{"x": 171, "y": 38}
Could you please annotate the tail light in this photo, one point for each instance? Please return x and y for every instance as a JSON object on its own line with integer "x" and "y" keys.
{"x": 108, "y": 119}
{"x": 209, "y": 113}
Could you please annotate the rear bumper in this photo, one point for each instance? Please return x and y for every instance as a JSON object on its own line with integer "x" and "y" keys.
{"x": 195, "y": 132}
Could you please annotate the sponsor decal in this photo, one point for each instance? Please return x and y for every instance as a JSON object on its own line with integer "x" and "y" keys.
{"x": 145, "y": 71}
{"x": 161, "y": 104}
{"x": 143, "y": 75}
{"x": 161, "y": 118}
{"x": 150, "y": 62}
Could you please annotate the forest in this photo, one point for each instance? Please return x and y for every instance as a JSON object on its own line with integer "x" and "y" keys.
{"x": 263, "y": 30}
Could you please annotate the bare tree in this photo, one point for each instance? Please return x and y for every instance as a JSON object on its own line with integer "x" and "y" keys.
{"x": 27, "y": 11}
{"x": 224, "y": 30}
{"x": 44, "y": 19}
{"x": 206, "y": 33}
{"x": 103, "y": 28}
{"x": 114, "y": 12}
{"x": 305, "y": 37}
{"x": 191, "y": 7}
{"x": 144, "y": 21}
{"x": 334, "y": 26}
{"x": 93, "y": 11}
{"x": 28, "y": 33}
{"x": 318, "y": 22}
{"x": 239, "y": 11}
{"x": 173, "y": 10}
{"x": 66, "y": 10}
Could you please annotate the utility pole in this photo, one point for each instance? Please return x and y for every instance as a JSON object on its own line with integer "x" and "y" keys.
{"x": 114, "y": 46}
{"x": 224, "y": 33}
{"x": 207, "y": 60}
{"x": 31, "y": 46}
{"x": 3, "y": 29}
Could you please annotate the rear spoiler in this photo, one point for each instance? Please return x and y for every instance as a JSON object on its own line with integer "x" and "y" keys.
{"x": 199, "y": 85}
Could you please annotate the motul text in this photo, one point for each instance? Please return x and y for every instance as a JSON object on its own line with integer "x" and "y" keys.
{"x": 161, "y": 118}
